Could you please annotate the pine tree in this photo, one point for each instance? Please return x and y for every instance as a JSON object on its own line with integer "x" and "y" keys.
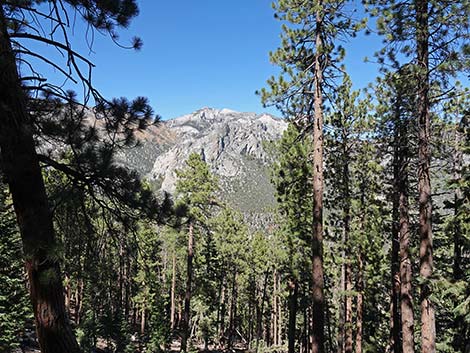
{"x": 231, "y": 238}
{"x": 395, "y": 96}
{"x": 308, "y": 57}
{"x": 100, "y": 246}
{"x": 195, "y": 189}
{"x": 341, "y": 141}
{"x": 431, "y": 35}
{"x": 14, "y": 305}
{"x": 292, "y": 179}
{"x": 451, "y": 287}
{"x": 20, "y": 160}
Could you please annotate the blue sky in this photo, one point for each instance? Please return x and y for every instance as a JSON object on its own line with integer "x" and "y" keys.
{"x": 201, "y": 53}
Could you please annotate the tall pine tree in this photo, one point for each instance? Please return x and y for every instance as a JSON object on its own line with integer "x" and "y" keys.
{"x": 309, "y": 57}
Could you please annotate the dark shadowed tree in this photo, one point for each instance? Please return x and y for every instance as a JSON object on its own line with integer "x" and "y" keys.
{"x": 23, "y": 22}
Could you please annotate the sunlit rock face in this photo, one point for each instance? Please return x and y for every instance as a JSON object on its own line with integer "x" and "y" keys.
{"x": 234, "y": 144}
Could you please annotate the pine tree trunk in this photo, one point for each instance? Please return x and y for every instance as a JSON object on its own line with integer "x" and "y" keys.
{"x": 172, "y": 294}
{"x": 360, "y": 301}
{"x": 261, "y": 311}
{"x": 348, "y": 346}
{"x": 458, "y": 274}
{"x": 348, "y": 343}
{"x": 428, "y": 325}
{"x": 293, "y": 294}
{"x": 250, "y": 322}
{"x": 280, "y": 320}
{"x": 127, "y": 286}
{"x": 360, "y": 273}
{"x": 306, "y": 335}
{"x": 317, "y": 334}
{"x": 406, "y": 296}
{"x": 222, "y": 313}
{"x": 78, "y": 314}
{"x": 142, "y": 320}
{"x": 21, "y": 168}
{"x": 274, "y": 309}
{"x": 395, "y": 268}
{"x": 401, "y": 187}
{"x": 458, "y": 243}
{"x": 342, "y": 305}
{"x": 68, "y": 295}
{"x": 267, "y": 331}
{"x": 233, "y": 311}
{"x": 120, "y": 298}
{"x": 180, "y": 314}
{"x": 328, "y": 325}
{"x": 187, "y": 298}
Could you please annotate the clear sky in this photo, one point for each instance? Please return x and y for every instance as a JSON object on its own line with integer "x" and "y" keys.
{"x": 210, "y": 53}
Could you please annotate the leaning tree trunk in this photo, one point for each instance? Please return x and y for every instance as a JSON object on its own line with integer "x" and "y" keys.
{"x": 317, "y": 334}
{"x": 21, "y": 168}
{"x": 187, "y": 297}
{"x": 428, "y": 324}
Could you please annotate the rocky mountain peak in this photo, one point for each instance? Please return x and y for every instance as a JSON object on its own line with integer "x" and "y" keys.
{"x": 232, "y": 143}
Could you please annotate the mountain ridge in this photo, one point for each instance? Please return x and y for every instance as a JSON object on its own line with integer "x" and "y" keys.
{"x": 232, "y": 143}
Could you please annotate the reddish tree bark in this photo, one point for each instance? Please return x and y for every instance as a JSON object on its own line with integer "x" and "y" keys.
{"x": 21, "y": 168}
{"x": 360, "y": 301}
{"x": 318, "y": 312}
{"x": 428, "y": 324}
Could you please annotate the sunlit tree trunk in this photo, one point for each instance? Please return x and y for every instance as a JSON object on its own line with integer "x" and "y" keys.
{"x": 318, "y": 314}
{"x": 428, "y": 324}
{"x": 142, "y": 319}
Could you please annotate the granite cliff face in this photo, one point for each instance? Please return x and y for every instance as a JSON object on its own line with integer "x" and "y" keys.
{"x": 234, "y": 144}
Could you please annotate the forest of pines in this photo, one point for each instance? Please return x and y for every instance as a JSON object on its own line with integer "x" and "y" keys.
{"x": 366, "y": 250}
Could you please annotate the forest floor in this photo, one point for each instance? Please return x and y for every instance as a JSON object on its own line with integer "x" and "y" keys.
{"x": 33, "y": 350}
{"x": 173, "y": 348}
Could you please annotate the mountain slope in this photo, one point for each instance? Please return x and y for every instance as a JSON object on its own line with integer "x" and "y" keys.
{"x": 234, "y": 145}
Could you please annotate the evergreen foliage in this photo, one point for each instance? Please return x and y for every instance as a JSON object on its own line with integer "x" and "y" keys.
{"x": 130, "y": 271}
{"x": 15, "y": 309}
